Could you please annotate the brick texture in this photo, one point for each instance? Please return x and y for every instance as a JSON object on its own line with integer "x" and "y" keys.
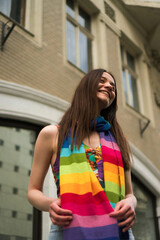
{"x": 44, "y": 68}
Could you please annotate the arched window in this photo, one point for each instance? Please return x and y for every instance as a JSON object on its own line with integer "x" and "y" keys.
{"x": 17, "y": 217}
{"x": 145, "y": 227}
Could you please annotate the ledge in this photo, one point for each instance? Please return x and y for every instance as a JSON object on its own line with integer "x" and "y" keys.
{"x": 104, "y": 18}
{"x": 32, "y": 94}
{"x": 142, "y": 3}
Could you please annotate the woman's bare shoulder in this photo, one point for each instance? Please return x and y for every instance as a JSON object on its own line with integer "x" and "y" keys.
{"x": 49, "y": 133}
{"x": 49, "y": 130}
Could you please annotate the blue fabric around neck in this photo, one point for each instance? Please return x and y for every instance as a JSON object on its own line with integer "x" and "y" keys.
{"x": 101, "y": 124}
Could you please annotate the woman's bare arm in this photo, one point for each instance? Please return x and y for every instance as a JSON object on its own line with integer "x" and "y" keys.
{"x": 45, "y": 150}
{"x": 44, "y": 155}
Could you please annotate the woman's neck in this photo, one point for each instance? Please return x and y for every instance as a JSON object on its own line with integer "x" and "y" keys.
{"x": 93, "y": 140}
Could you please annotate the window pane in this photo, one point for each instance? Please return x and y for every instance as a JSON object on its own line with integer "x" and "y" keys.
{"x": 125, "y": 85}
{"x": 70, "y": 8}
{"x": 144, "y": 227}
{"x": 85, "y": 52}
{"x": 71, "y": 42}
{"x": 14, "y": 9}
{"x": 5, "y": 7}
{"x": 122, "y": 57}
{"x": 133, "y": 92}
{"x": 15, "y": 209}
{"x": 130, "y": 61}
{"x": 84, "y": 19}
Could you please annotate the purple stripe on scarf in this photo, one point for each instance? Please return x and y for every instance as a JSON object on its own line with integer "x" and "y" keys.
{"x": 80, "y": 233}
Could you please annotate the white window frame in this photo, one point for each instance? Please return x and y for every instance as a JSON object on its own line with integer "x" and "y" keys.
{"x": 32, "y": 28}
{"x": 6, "y": 8}
{"x": 78, "y": 28}
{"x": 134, "y": 74}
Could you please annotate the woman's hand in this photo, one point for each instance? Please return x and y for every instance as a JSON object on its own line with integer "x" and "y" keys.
{"x": 125, "y": 212}
{"x": 58, "y": 215}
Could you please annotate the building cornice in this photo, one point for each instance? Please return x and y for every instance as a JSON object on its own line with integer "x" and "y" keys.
{"x": 121, "y": 6}
{"x": 32, "y": 94}
{"x": 142, "y": 3}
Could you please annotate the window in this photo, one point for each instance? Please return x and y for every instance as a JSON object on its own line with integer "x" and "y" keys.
{"x": 1, "y": 142}
{"x": 31, "y": 152}
{"x": 27, "y": 14}
{"x": 14, "y": 9}
{"x": 15, "y": 190}
{"x": 78, "y": 36}
{"x": 29, "y": 172}
{"x": 129, "y": 77}
{"x": 29, "y": 217}
{"x": 14, "y": 214}
{"x": 17, "y": 166}
{"x": 145, "y": 226}
{"x": 17, "y": 147}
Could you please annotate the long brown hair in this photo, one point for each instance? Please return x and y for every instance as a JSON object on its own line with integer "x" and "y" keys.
{"x": 84, "y": 108}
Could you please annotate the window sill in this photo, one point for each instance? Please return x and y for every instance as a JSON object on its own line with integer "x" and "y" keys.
{"x": 75, "y": 67}
{"x": 9, "y": 20}
{"x": 133, "y": 110}
{"x": 143, "y": 120}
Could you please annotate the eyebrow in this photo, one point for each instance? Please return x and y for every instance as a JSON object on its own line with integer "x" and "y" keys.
{"x": 112, "y": 83}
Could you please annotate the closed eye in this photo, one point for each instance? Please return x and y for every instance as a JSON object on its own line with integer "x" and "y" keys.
{"x": 102, "y": 80}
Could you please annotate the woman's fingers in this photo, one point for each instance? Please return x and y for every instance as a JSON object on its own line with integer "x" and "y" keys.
{"x": 60, "y": 222}
{"x": 58, "y": 215}
{"x": 125, "y": 214}
{"x": 120, "y": 212}
{"x": 128, "y": 212}
{"x": 55, "y": 207}
{"x": 128, "y": 226}
{"x": 127, "y": 223}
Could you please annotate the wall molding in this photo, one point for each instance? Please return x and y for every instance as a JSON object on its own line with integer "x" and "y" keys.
{"x": 145, "y": 171}
{"x": 32, "y": 94}
{"x": 27, "y": 104}
{"x": 109, "y": 23}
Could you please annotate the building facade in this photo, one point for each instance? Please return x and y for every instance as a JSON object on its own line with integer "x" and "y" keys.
{"x": 46, "y": 48}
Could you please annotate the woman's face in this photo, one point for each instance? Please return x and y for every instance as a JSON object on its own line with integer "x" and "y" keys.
{"x": 106, "y": 91}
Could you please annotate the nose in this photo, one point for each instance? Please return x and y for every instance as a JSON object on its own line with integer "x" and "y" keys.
{"x": 108, "y": 85}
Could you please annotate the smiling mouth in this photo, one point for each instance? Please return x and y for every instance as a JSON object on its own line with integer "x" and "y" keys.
{"x": 106, "y": 93}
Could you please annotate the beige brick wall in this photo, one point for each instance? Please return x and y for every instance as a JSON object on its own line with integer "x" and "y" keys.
{"x": 44, "y": 68}
{"x": 129, "y": 120}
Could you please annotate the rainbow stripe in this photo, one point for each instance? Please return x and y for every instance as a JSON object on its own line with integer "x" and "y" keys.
{"x": 82, "y": 193}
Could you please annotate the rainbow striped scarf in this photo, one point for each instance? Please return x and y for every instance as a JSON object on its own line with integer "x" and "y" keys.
{"x": 82, "y": 193}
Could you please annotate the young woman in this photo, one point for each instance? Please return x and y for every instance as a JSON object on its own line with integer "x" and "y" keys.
{"x": 90, "y": 155}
